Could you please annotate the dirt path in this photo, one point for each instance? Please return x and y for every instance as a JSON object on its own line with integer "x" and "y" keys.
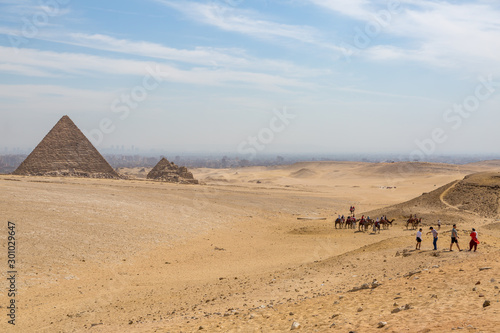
{"x": 445, "y": 192}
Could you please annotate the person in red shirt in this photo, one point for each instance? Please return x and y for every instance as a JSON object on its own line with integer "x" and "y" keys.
{"x": 473, "y": 242}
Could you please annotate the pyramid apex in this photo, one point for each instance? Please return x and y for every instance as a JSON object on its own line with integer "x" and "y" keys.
{"x": 65, "y": 119}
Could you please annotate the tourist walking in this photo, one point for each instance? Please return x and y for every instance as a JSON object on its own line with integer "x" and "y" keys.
{"x": 454, "y": 237}
{"x": 439, "y": 224}
{"x": 419, "y": 239}
{"x": 434, "y": 236}
{"x": 473, "y": 242}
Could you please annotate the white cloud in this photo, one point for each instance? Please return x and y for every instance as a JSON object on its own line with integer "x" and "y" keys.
{"x": 200, "y": 56}
{"x": 209, "y": 57}
{"x": 32, "y": 62}
{"x": 69, "y": 64}
{"x": 28, "y": 92}
{"x": 39, "y": 14}
{"x": 448, "y": 35}
{"x": 24, "y": 70}
{"x": 247, "y": 22}
{"x": 352, "y": 8}
{"x": 213, "y": 58}
{"x": 443, "y": 34}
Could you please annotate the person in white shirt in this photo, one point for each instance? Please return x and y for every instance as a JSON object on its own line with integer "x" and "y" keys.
{"x": 419, "y": 239}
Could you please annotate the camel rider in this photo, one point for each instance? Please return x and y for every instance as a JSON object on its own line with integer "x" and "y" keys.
{"x": 343, "y": 220}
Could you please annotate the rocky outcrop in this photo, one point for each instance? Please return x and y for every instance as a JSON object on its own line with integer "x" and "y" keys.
{"x": 479, "y": 193}
{"x": 169, "y": 172}
{"x": 65, "y": 151}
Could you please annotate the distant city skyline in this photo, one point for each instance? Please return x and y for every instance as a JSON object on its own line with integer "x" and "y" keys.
{"x": 415, "y": 79}
{"x": 267, "y": 157}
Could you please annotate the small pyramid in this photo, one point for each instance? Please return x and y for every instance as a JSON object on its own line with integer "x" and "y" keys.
{"x": 169, "y": 172}
{"x": 65, "y": 151}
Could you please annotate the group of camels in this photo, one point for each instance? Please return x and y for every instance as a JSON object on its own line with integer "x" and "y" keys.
{"x": 363, "y": 224}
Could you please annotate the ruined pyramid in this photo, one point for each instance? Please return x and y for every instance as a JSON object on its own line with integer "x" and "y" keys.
{"x": 65, "y": 151}
{"x": 169, "y": 172}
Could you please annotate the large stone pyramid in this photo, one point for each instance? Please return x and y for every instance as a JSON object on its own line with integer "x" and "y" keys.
{"x": 169, "y": 172}
{"x": 65, "y": 151}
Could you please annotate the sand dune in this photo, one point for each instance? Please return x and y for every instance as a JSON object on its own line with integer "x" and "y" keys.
{"x": 231, "y": 255}
{"x": 303, "y": 173}
{"x": 485, "y": 164}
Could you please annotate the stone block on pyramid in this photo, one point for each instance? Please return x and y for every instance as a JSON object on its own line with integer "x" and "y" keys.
{"x": 169, "y": 172}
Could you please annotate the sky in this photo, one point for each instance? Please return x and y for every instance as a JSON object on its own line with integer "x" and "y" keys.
{"x": 412, "y": 77}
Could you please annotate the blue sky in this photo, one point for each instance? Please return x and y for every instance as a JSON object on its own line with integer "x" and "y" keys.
{"x": 413, "y": 77}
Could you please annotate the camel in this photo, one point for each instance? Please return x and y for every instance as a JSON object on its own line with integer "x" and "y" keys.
{"x": 409, "y": 222}
{"x": 386, "y": 223}
{"x": 365, "y": 224}
{"x": 340, "y": 222}
{"x": 369, "y": 223}
{"x": 351, "y": 222}
{"x": 416, "y": 223}
{"x": 413, "y": 222}
{"x": 361, "y": 225}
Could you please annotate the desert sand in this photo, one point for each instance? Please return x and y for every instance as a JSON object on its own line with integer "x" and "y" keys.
{"x": 231, "y": 255}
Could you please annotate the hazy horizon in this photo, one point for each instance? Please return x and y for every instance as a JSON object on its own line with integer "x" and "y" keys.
{"x": 282, "y": 157}
{"x": 411, "y": 79}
